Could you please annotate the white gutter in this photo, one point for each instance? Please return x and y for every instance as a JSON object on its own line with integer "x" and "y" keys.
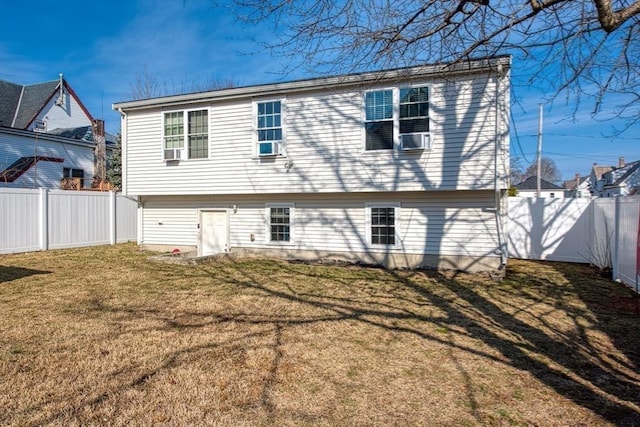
{"x": 498, "y": 143}
{"x": 123, "y": 159}
{"x": 123, "y": 148}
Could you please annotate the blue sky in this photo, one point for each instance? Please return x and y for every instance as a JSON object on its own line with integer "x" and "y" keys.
{"x": 100, "y": 46}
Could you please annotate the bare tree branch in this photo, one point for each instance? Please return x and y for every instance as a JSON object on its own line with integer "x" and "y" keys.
{"x": 585, "y": 49}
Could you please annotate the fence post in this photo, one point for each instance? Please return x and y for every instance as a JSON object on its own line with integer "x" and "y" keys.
{"x": 616, "y": 239}
{"x": 43, "y": 218}
{"x": 113, "y": 238}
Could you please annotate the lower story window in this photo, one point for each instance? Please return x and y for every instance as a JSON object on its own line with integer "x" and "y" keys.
{"x": 280, "y": 224}
{"x": 383, "y": 226}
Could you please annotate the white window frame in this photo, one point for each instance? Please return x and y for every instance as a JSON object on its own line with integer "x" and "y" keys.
{"x": 282, "y": 146}
{"x": 267, "y": 212}
{"x": 396, "y": 223}
{"x": 394, "y": 119}
{"x": 396, "y": 116}
{"x": 185, "y": 135}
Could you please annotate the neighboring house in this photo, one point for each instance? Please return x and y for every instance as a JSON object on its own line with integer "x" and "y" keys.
{"x": 529, "y": 188}
{"x": 42, "y": 107}
{"x": 404, "y": 168}
{"x": 34, "y": 160}
{"x": 622, "y": 181}
{"x": 578, "y": 188}
{"x": 30, "y": 116}
{"x": 596, "y": 181}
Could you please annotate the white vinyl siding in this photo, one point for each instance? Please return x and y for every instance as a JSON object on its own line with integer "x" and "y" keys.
{"x": 439, "y": 223}
{"x": 76, "y": 155}
{"x": 324, "y": 141}
{"x": 67, "y": 115}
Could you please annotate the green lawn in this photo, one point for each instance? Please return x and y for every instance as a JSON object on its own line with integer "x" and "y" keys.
{"x": 102, "y": 336}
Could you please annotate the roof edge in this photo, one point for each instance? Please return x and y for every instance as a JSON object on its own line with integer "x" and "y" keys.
{"x": 44, "y": 135}
{"x": 455, "y": 68}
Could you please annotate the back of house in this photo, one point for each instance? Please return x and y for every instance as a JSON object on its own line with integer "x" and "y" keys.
{"x": 403, "y": 168}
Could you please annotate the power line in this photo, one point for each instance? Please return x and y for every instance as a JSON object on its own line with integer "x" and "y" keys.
{"x": 515, "y": 130}
{"x": 584, "y": 136}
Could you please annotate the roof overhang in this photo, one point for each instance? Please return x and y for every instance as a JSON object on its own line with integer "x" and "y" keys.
{"x": 494, "y": 64}
{"x": 45, "y": 137}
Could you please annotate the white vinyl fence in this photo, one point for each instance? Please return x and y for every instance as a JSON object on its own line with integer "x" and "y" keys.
{"x": 32, "y": 220}
{"x": 601, "y": 231}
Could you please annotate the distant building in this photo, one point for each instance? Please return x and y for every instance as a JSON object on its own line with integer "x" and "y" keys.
{"x": 529, "y": 188}
{"x": 623, "y": 180}
{"x": 47, "y": 137}
{"x": 595, "y": 179}
{"x": 578, "y": 188}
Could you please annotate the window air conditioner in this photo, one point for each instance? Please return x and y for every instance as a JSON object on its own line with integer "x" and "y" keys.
{"x": 415, "y": 141}
{"x": 270, "y": 148}
{"x": 172, "y": 154}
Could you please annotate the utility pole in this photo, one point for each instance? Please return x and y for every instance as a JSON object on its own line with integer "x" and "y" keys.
{"x": 539, "y": 151}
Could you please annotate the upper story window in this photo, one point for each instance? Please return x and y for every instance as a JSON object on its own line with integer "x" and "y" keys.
{"x": 379, "y": 120}
{"x": 269, "y": 128}
{"x": 195, "y": 139}
{"x": 414, "y": 110}
{"x": 405, "y": 111}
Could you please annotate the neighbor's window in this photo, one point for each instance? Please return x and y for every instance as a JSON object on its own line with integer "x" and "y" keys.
{"x": 196, "y": 138}
{"x": 379, "y": 120}
{"x": 269, "y": 127}
{"x": 74, "y": 173}
{"x": 383, "y": 226}
{"x": 414, "y": 110}
{"x": 280, "y": 224}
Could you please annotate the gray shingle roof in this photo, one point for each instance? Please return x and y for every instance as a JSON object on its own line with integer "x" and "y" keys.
{"x": 33, "y": 100}
{"x": 84, "y": 133}
{"x": 27, "y": 100}
{"x": 9, "y": 97}
{"x": 532, "y": 184}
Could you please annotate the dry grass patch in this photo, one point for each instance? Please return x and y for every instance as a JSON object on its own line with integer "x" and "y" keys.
{"x": 102, "y": 336}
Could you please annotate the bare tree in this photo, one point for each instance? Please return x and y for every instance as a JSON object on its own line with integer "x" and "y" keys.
{"x": 147, "y": 85}
{"x": 516, "y": 172}
{"x": 581, "y": 48}
{"x": 548, "y": 170}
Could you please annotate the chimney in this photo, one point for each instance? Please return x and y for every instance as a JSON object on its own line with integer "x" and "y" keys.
{"x": 621, "y": 162}
{"x": 100, "y": 155}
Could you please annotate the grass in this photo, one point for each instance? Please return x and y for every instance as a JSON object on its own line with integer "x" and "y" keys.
{"x": 102, "y": 336}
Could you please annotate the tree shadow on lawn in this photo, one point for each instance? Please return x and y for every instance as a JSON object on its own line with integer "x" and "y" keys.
{"x": 563, "y": 359}
{"x": 9, "y": 273}
{"x": 510, "y": 318}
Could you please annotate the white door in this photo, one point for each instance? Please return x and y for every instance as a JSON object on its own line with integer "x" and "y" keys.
{"x": 214, "y": 232}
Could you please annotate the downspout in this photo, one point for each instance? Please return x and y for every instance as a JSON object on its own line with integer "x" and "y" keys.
{"x": 498, "y": 143}
{"x": 123, "y": 157}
